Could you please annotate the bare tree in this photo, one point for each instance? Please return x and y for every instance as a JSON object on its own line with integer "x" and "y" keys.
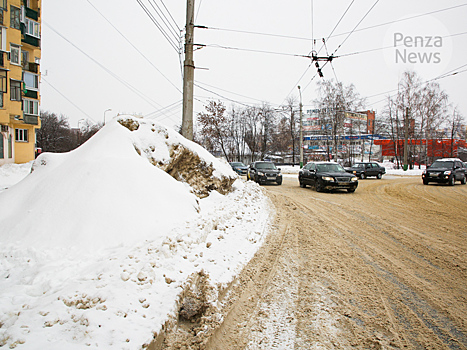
{"x": 334, "y": 99}
{"x": 54, "y": 134}
{"x": 215, "y": 126}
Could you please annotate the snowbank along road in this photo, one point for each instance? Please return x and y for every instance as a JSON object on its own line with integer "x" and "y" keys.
{"x": 382, "y": 268}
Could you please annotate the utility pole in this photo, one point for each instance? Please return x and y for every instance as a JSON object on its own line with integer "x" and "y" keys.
{"x": 188, "y": 73}
{"x": 301, "y": 129}
{"x": 406, "y": 138}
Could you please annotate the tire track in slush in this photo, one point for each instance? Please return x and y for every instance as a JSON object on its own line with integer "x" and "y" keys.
{"x": 451, "y": 335}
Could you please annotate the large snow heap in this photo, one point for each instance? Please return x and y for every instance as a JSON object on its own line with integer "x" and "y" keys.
{"x": 98, "y": 246}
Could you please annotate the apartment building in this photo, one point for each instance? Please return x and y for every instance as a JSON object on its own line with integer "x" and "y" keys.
{"x": 20, "y": 54}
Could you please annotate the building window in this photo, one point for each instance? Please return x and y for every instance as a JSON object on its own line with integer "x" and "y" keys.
{"x": 24, "y": 58}
{"x": 1, "y": 147}
{"x": 14, "y": 54}
{"x": 31, "y": 81}
{"x": 32, "y": 28}
{"x": 31, "y": 107}
{"x": 3, "y": 4}
{"x": 21, "y": 135}
{"x": 10, "y": 147}
{"x": 3, "y": 38}
{"x": 15, "y": 90}
{"x": 2, "y": 86}
{"x": 15, "y": 15}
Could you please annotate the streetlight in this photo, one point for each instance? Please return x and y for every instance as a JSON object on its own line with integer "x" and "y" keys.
{"x": 105, "y": 112}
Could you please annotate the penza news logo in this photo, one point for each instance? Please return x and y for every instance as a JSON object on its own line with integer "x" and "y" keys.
{"x": 417, "y": 49}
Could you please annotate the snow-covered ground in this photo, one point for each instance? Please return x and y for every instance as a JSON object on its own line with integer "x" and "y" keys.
{"x": 97, "y": 245}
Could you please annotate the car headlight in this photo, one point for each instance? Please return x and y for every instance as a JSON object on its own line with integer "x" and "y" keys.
{"x": 448, "y": 172}
{"x": 260, "y": 173}
{"x": 328, "y": 178}
{"x": 354, "y": 179}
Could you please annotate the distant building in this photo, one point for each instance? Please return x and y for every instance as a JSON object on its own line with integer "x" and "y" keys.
{"x": 20, "y": 54}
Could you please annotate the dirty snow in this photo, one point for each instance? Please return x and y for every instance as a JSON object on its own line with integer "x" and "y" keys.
{"x": 97, "y": 244}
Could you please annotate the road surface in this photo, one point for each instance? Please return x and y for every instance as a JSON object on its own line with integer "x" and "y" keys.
{"x": 382, "y": 268}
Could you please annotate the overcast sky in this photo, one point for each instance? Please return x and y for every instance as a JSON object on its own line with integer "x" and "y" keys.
{"x": 106, "y": 54}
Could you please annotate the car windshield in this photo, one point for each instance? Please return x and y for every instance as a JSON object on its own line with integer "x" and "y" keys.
{"x": 335, "y": 168}
{"x": 358, "y": 165}
{"x": 237, "y": 164}
{"x": 265, "y": 166}
{"x": 442, "y": 164}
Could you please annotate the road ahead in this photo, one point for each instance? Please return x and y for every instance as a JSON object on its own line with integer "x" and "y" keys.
{"x": 384, "y": 267}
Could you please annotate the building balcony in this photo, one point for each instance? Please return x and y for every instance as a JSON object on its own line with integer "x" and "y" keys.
{"x": 31, "y": 67}
{"x": 30, "y": 13}
{"x": 30, "y": 94}
{"x": 31, "y": 119}
{"x": 30, "y": 40}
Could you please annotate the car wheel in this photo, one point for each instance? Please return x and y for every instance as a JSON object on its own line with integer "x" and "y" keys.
{"x": 452, "y": 181}
{"x": 379, "y": 176}
{"x": 279, "y": 182}
{"x": 362, "y": 175}
{"x": 464, "y": 180}
{"x": 425, "y": 182}
{"x": 351, "y": 190}
{"x": 302, "y": 185}
{"x": 318, "y": 186}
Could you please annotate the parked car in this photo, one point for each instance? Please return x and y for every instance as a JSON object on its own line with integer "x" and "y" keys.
{"x": 327, "y": 176}
{"x": 445, "y": 170}
{"x": 239, "y": 168}
{"x": 263, "y": 172}
{"x": 365, "y": 169}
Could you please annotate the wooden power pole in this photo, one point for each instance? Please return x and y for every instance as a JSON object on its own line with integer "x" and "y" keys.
{"x": 188, "y": 73}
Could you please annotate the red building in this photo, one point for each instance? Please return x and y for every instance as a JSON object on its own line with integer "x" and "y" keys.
{"x": 442, "y": 148}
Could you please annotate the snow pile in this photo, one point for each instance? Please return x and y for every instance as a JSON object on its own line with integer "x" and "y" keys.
{"x": 11, "y": 174}
{"x": 99, "y": 244}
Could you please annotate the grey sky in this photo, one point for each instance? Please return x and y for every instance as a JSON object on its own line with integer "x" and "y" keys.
{"x": 103, "y": 54}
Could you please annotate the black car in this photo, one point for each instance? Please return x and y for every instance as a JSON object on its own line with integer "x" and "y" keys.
{"x": 445, "y": 170}
{"x": 239, "y": 168}
{"x": 263, "y": 172}
{"x": 365, "y": 169}
{"x": 327, "y": 176}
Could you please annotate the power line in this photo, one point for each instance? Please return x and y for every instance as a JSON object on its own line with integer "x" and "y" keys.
{"x": 170, "y": 40}
{"x": 442, "y": 76}
{"x": 353, "y": 30}
{"x": 170, "y": 15}
{"x": 388, "y": 47}
{"x": 345, "y": 12}
{"x": 66, "y": 98}
{"x": 175, "y": 32}
{"x": 402, "y": 19}
{"x": 122, "y": 81}
{"x": 197, "y": 11}
{"x": 230, "y": 92}
{"x": 129, "y": 42}
{"x": 330, "y": 36}
{"x": 254, "y": 50}
{"x": 225, "y": 98}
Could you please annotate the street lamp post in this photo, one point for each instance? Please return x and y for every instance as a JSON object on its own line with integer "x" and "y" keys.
{"x": 107, "y": 110}
{"x": 301, "y": 130}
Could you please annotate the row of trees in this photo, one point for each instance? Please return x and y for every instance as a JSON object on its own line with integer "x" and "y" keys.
{"x": 418, "y": 111}
{"x": 249, "y": 131}
{"x": 260, "y": 131}
{"x": 55, "y": 134}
